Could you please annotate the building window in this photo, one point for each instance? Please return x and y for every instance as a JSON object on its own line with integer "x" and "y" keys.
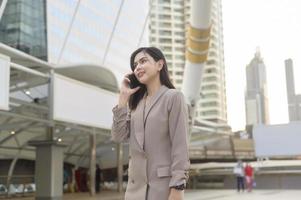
{"x": 178, "y": 81}
{"x": 164, "y": 17}
{"x": 209, "y": 104}
{"x": 211, "y": 62}
{"x": 210, "y": 79}
{"x": 181, "y": 57}
{"x": 164, "y": 40}
{"x": 168, "y": 57}
{"x": 210, "y": 95}
{"x": 209, "y": 112}
{"x": 164, "y": 1}
{"x": 165, "y": 33}
{"x": 210, "y": 70}
{"x": 179, "y": 73}
{"x": 209, "y": 87}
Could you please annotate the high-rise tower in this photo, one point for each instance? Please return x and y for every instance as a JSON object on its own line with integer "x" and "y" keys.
{"x": 256, "y": 100}
{"x": 168, "y": 29}
{"x": 293, "y": 99}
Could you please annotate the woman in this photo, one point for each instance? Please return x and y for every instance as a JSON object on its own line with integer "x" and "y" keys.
{"x": 153, "y": 116}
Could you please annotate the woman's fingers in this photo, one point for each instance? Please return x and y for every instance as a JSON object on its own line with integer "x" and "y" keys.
{"x": 127, "y": 79}
{"x": 135, "y": 89}
{"x": 125, "y": 89}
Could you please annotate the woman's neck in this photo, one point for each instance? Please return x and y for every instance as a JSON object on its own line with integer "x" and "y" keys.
{"x": 153, "y": 87}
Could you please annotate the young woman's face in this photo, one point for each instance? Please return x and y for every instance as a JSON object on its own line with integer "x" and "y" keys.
{"x": 146, "y": 68}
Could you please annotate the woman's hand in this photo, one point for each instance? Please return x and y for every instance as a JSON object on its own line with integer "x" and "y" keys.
{"x": 176, "y": 194}
{"x": 126, "y": 92}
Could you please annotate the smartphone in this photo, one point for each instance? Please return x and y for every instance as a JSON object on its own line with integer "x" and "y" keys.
{"x": 134, "y": 81}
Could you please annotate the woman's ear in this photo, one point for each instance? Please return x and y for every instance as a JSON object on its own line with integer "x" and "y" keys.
{"x": 161, "y": 63}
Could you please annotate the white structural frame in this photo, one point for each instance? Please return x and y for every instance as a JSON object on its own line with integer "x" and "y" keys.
{"x": 4, "y": 82}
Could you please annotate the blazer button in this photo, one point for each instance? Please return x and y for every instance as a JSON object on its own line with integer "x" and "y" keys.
{"x": 133, "y": 181}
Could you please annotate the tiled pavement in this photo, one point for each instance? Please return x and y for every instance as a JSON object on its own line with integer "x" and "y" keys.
{"x": 195, "y": 195}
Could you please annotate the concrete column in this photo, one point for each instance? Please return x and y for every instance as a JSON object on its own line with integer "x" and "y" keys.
{"x": 232, "y": 147}
{"x": 48, "y": 170}
{"x": 92, "y": 162}
{"x": 120, "y": 166}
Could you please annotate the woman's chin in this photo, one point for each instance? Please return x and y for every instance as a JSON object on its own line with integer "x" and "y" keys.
{"x": 142, "y": 80}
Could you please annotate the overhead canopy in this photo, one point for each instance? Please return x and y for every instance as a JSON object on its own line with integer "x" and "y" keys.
{"x": 86, "y": 72}
{"x": 27, "y": 117}
{"x": 92, "y": 74}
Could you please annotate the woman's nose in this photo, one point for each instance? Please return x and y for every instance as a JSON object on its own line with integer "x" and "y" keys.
{"x": 138, "y": 67}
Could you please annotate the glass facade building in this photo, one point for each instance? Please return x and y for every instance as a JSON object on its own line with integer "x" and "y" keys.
{"x": 23, "y": 26}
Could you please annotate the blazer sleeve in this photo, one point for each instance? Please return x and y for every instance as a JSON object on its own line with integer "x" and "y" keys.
{"x": 120, "y": 131}
{"x": 178, "y": 131}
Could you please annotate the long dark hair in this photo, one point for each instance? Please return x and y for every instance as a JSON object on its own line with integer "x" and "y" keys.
{"x": 157, "y": 55}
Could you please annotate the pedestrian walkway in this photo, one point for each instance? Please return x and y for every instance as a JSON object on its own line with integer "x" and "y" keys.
{"x": 234, "y": 195}
{"x": 197, "y": 195}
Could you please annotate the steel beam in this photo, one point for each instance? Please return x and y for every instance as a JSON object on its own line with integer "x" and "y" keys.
{"x": 28, "y": 70}
{"x": 17, "y": 132}
{"x": 112, "y": 33}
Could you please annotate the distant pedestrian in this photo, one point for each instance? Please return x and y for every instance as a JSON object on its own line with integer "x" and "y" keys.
{"x": 249, "y": 177}
{"x": 78, "y": 179}
{"x": 84, "y": 181}
{"x": 65, "y": 178}
{"x": 97, "y": 178}
{"x": 240, "y": 174}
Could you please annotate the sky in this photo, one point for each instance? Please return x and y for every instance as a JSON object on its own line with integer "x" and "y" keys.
{"x": 275, "y": 27}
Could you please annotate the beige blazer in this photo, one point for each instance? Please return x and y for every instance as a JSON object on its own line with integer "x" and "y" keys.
{"x": 158, "y": 146}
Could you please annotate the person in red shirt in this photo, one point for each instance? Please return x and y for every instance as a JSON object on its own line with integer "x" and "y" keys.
{"x": 249, "y": 177}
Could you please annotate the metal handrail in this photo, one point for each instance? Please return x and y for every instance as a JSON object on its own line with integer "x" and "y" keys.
{"x": 28, "y": 70}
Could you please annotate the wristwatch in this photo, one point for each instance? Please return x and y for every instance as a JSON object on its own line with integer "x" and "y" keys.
{"x": 179, "y": 187}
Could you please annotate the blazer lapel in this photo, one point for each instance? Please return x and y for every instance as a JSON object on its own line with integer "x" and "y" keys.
{"x": 139, "y": 126}
{"x": 153, "y": 101}
{"x": 140, "y": 120}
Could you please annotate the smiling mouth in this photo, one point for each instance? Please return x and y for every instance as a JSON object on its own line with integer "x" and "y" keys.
{"x": 140, "y": 74}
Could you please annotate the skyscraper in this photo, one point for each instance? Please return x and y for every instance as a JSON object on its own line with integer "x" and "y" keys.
{"x": 23, "y": 26}
{"x": 293, "y": 99}
{"x": 256, "y": 100}
{"x": 168, "y": 29}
